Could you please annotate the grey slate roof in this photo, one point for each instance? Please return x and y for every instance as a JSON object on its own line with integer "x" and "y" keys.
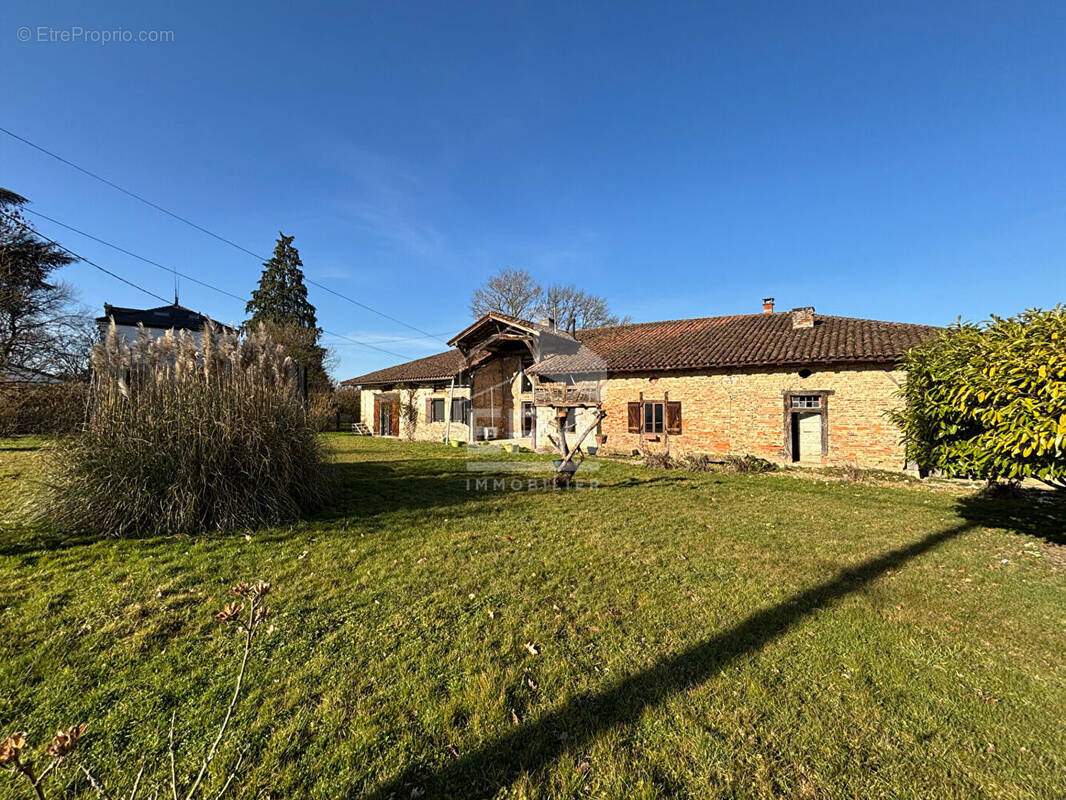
{"x": 163, "y": 317}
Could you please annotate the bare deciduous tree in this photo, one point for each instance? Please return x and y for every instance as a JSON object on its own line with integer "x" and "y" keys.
{"x": 510, "y": 291}
{"x": 515, "y": 292}
{"x": 56, "y": 336}
{"x": 568, "y": 304}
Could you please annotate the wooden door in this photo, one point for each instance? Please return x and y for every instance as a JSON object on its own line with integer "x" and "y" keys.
{"x": 809, "y": 435}
{"x": 386, "y": 413}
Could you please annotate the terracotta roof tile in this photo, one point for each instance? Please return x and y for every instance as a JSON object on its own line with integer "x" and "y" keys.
{"x": 440, "y": 367}
{"x": 748, "y": 340}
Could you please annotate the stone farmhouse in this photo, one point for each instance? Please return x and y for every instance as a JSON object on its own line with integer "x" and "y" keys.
{"x": 791, "y": 386}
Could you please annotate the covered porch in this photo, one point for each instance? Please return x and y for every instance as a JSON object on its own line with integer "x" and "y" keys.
{"x": 500, "y": 352}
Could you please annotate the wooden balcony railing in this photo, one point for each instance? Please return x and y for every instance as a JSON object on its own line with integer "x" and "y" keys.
{"x": 563, "y": 395}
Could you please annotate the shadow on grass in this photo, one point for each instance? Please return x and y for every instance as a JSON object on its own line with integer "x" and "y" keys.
{"x": 30, "y": 542}
{"x": 356, "y": 490}
{"x": 535, "y": 745}
{"x": 660, "y": 480}
{"x": 1034, "y": 512}
{"x": 371, "y": 488}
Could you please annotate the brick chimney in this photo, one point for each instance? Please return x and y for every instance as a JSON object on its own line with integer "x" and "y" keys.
{"x": 803, "y": 317}
{"x": 768, "y": 305}
{"x": 549, "y": 322}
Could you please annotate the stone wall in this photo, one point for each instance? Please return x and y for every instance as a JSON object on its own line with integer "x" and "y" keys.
{"x": 495, "y": 400}
{"x": 722, "y": 412}
{"x": 548, "y": 424}
{"x": 744, "y": 413}
{"x": 424, "y": 430}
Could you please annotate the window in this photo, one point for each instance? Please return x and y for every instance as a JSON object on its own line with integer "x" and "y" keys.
{"x": 460, "y": 409}
{"x": 526, "y": 383}
{"x": 436, "y": 410}
{"x": 653, "y": 417}
{"x": 570, "y": 423}
{"x": 806, "y": 401}
{"x": 529, "y": 418}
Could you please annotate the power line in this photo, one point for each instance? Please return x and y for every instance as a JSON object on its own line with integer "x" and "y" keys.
{"x": 70, "y": 252}
{"x": 135, "y": 196}
{"x": 350, "y": 340}
{"x": 406, "y": 338}
{"x": 133, "y": 255}
{"x": 210, "y": 233}
{"x": 26, "y": 227}
{"x": 368, "y": 308}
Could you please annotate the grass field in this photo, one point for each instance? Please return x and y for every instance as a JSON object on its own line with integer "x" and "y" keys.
{"x": 668, "y": 634}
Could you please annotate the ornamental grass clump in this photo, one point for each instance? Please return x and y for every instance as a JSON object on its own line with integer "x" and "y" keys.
{"x": 183, "y": 438}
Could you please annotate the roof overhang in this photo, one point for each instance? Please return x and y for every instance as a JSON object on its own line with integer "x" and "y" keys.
{"x": 499, "y": 333}
{"x": 491, "y": 326}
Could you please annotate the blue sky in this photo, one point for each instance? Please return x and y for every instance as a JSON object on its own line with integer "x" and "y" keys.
{"x": 885, "y": 160}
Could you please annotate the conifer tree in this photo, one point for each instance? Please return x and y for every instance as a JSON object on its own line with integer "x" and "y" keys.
{"x": 280, "y": 302}
{"x": 282, "y": 296}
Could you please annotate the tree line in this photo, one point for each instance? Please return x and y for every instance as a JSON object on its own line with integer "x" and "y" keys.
{"x": 44, "y": 332}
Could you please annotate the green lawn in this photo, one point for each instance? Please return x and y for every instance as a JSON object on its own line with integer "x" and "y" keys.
{"x": 696, "y": 635}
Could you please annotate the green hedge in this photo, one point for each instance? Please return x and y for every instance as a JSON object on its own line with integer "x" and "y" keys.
{"x": 988, "y": 400}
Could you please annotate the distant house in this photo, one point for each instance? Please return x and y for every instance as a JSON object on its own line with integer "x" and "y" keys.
{"x": 790, "y": 386}
{"x": 157, "y": 321}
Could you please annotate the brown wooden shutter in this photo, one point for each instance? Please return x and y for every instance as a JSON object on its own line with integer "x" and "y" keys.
{"x": 633, "y": 411}
{"x": 673, "y": 417}
{"x": 429, "y": 409}
{"x": 375, "y": 423}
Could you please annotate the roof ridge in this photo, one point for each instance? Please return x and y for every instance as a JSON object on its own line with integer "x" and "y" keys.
{"x": 674, "y": 321}
{"x": 414, "y": 361}
{"x": 878, "y": 321}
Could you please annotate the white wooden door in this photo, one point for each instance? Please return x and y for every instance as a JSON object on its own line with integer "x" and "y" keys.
{"x": 810, "y": 436}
